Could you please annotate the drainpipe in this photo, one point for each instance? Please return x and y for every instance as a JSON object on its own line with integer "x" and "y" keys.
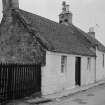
{"x": 95, "y": 66}
{"x": 95, "y": 70}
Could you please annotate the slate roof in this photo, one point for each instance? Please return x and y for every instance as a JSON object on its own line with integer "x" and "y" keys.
{"x": 56, "y": 37}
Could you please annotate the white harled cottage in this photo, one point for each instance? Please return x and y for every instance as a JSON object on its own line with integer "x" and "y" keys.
{"x": 77, "y": 62}
{"x": 71, "y": 56}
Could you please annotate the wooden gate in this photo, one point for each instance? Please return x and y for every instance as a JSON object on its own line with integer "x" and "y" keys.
{"x": 19, "y": 80}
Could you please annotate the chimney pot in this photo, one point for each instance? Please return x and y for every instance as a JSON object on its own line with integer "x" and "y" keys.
{"x": 91, "y": 32}
{"x": 65, "y": 16}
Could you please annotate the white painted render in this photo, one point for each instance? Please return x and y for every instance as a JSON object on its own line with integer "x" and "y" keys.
{"x": 54, "y": 81}
{"x": 87, "y": 73}
{"x": 100, "y": 70}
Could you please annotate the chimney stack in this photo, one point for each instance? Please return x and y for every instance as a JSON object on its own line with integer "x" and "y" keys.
{"x": 91, "y": 32}
{"x": 65, "y": 16}
{"x": 7, "y": 4}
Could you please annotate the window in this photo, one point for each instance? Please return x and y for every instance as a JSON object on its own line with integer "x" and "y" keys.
{"x": 89, "y": 63}
{"x": 63, "y": 63}
{"x": 60, "y": 21}
{"x": 103, "y": 61}
{"x": 66, "y": 20}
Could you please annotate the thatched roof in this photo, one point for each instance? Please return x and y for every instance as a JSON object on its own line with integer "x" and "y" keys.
{"x": 25, "y": 37}
{"x": 57, "y": 37}
{"x": 94, "y": 41}
{"x": 17, "y": 44}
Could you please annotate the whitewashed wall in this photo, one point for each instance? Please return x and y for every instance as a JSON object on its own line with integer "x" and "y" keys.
{"x": 52, "y": 79}
{"x": 88, "y": 74}
{"x": 100, "y": 70}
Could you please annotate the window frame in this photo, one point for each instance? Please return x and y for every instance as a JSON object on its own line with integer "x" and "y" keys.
{"x": 103, "y": 61}
{"x": 89, "y": 63}
{"x": 63, "y": 64}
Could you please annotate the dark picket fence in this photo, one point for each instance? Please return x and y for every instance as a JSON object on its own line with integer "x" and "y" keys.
{"x": 19, "y": 80}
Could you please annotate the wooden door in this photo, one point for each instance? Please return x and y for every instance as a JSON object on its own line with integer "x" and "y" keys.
{"x": 78, "y": 71}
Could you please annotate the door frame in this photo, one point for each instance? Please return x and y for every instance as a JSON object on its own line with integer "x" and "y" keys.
{"x": 78, "y": 71}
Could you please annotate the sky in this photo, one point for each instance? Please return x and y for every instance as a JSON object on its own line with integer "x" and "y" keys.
{"x": 86, "y": 13}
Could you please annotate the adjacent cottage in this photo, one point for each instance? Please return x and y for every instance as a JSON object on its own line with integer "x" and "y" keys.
{"x": 46, "y": 56}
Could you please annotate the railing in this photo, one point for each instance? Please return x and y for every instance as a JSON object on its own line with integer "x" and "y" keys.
{"x": 19, "y": 80}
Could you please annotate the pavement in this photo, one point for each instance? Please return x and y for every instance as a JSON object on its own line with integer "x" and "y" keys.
{"x": 92, "y": 96}
{"x": 74, "y": 90}
{"x": 53, "y": 97}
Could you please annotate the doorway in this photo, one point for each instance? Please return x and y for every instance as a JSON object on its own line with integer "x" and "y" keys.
{"x": 78, "y": 71}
